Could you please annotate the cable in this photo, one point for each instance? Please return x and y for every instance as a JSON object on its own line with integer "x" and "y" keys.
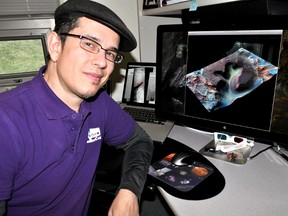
{"x": 281, "y": 151}
{"x": 253, "y": 156}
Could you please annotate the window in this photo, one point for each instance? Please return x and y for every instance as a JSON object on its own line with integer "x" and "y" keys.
{"x": 22, "y": 56}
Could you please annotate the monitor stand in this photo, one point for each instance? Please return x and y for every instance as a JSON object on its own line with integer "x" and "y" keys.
{"x": 239, "y": 156}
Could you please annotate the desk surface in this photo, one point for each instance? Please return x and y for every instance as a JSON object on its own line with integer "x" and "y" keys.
{"x": 259, "y": 187}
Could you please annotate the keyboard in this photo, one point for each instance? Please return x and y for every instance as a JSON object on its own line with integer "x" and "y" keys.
{"x": 143, "y": 115}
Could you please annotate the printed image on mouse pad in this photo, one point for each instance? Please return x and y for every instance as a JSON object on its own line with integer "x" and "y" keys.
{"x": 183, "y": 178}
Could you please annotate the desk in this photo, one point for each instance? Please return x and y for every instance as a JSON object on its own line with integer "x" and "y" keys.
{"x": 259, "y": 187}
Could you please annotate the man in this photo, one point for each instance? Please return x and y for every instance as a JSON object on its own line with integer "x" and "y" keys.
{"x": 52, "y": 127}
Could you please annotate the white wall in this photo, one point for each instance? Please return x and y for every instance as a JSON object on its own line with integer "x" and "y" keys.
{"x": 148, "y": 30}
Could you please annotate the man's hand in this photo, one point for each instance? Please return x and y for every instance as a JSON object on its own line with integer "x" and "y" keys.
{"x": 124, "y": 204}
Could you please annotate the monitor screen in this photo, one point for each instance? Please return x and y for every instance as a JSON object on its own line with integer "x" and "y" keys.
{"x": 22, "y": 55}
{"x": 139, "y": 85}
{"x": 231, "y": 81}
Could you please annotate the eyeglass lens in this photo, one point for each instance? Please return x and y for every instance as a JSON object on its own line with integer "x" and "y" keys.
{"x": 222, "y": 136}
{"x": 238, "y": 139}
{"x": 94, "y": 47}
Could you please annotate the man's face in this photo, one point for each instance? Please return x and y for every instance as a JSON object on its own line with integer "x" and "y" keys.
{"x": 77, "y": 72}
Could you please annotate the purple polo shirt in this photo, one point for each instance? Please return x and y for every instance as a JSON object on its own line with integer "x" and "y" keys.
{"x": 49, "y": 153}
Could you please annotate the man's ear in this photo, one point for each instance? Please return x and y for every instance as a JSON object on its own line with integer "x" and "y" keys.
{"x": 54, "y": 46}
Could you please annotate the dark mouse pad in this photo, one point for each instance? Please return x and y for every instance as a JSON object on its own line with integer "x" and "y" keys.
{"x": 184, "y": 177}
{"x": 198, "y": 180}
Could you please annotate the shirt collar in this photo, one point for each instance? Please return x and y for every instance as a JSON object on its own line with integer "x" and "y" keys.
{"x": 51, "y": 105}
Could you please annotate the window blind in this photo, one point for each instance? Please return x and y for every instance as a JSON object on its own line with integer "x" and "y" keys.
{"x": 27, "y": 9}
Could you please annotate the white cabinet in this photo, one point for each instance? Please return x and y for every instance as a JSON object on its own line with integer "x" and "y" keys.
{"x": 176, "y": 9}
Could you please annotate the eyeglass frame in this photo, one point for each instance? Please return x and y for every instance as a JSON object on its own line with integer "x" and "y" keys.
{"x": 118, "y": 57}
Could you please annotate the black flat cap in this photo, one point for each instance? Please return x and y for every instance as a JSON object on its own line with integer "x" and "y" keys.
{"x": 101, "y": 14}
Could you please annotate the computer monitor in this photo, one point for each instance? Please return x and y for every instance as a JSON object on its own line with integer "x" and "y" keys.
{"x": 232, "y": 81}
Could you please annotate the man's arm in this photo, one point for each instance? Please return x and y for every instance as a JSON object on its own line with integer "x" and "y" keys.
{"x": 138, "y": 155}
{"x": 125, "y": 203}
{"x": 137, "y": 159}
{"x": 3, "y": 205}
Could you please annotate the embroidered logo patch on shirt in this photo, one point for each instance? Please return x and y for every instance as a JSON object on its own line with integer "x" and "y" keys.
{"x": 94, "y": 134}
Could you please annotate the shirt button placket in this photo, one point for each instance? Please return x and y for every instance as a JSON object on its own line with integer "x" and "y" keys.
{"x": 74, "y": 117}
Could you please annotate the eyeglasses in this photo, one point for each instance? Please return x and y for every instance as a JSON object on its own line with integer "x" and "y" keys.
{"x": 228, "y": 138}
{"x": 92, "y": 46}
{"x": 226, "y": 143}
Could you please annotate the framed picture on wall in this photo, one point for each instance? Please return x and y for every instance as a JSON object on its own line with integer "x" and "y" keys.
{"x": 150, "y": 4}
